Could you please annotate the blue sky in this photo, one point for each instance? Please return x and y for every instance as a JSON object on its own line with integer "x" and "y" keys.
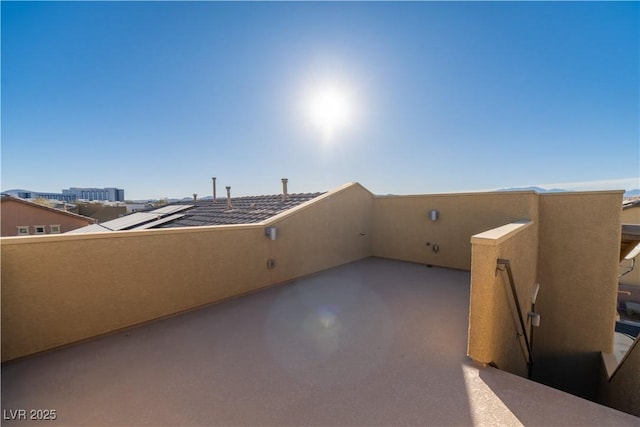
{"x": 158, "y": 97}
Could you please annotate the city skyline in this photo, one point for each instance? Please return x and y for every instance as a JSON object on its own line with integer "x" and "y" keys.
{"x": 430, "y": 97}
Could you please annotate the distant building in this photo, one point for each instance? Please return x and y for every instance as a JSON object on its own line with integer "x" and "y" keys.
{"x": 111, "y": 194}
{"x": 24, "y": 218}
{"x": 72, "y": 194}
{"x": 32, "y": 195}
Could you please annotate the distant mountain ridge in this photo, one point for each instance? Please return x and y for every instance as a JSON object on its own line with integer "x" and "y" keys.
{"x": 534, "y": 188}
{"x": 628, "y": 193}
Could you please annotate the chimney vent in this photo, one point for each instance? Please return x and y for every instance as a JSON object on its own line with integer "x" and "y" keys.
{"x": 285, "y": 196}
{"x": 214, "y": 189}
{"x": 228, "y": 197}
{"x": 195, "y": 198}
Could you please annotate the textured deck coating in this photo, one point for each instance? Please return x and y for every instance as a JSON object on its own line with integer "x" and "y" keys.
{"x": 375, "y": 342}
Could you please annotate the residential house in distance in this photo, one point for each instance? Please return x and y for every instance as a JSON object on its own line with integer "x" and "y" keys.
{"x": 101, "y": 211}
{"x": 138, "y": 206}
{"x": 494, "y": 308}
{"x": 25, "y": 218}
{"x": 33, "y": 195}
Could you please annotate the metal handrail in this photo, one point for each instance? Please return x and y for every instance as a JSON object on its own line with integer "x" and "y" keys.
{"x": 507, "y": 265}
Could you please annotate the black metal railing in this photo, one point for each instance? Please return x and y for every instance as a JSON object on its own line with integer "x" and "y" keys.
{"x": 529, "y": 357}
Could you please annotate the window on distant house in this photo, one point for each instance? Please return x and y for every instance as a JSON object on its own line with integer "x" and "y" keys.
{"x": 23, "y": 230}
{"x": 55, "y": 229}
{"x": 39, "y": 229}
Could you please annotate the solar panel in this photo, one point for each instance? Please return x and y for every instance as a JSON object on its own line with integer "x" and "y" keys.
{"x": 128, "y": 221}
{"x": 165, "y": 210}
{"x": 158, "y": 222}
{"x": 137, "y": 220}
{"x": 93, "y": 228}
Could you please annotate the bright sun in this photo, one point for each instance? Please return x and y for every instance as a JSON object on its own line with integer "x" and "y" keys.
{"x": 330, "y": 110}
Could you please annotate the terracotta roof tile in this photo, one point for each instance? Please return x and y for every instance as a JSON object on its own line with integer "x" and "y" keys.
{"x": 245, "y": 210}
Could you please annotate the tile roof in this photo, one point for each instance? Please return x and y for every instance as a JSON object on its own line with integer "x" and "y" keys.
{"x": 245, "y": 210}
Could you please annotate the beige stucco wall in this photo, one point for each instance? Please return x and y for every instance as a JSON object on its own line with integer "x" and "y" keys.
{"x": 494, "y": 326}
{"x": 335, "y": 229}
{"x": 630, "y": 216}
{"x": 83, "y": 286}
{"x": 579, "y": 237}
{"x": 622, "y": 389}
{"x": 61, "y": 289}
{"x": 403, "y": 229}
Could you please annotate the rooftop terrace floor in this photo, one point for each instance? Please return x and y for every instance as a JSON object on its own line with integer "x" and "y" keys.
{"x": 374, "y": 342}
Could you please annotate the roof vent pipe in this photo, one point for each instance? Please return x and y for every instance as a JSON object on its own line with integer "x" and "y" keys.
{"x": 195, "y": 198}
{"x": 285, "y": 196}
{"x": 228, "y": 197}
{"x": 214, "y": 189}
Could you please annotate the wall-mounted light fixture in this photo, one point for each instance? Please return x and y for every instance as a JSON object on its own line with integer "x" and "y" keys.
{"x": 433, "y": 215}
{"x": 534, "y": 317}
{"x": 271, "y": 232}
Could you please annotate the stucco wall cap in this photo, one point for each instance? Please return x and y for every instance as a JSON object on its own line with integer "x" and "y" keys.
{"x": 581, "y": 193}
{"x": 477, "y": 193}
{"x": 498, "y": 235}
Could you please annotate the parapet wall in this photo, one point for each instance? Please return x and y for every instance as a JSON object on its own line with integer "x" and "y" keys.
{"x": 572, "y": 251}
{"x": 496, "y": 336}
{"x": 403, "y": 227}
{"x": 335, "y": 228}
{"x": 578, "y": 260}
{"x": 61, "y": 289}
{"x": 621, "y": 389}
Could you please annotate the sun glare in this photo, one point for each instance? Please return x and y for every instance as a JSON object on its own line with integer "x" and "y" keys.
{"x": 330, "y": 110}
